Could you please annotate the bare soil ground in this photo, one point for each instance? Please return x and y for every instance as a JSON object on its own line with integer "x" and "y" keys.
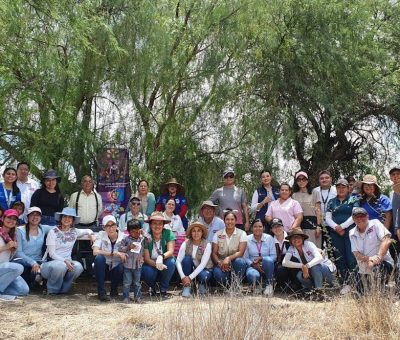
{"x": 227, "y": 316}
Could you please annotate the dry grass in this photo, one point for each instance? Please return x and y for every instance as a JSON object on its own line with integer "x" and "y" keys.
{"x": 230, "y": 316}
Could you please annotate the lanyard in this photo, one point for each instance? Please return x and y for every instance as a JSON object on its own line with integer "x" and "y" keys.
{"x": 8, "y": 196}
{"x": 158, "y": 249}
{"x": 325, "y": 200}
{"x": 259, "y": 246}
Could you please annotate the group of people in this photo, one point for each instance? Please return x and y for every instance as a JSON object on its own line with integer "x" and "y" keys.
{"x": 301, "y": 239}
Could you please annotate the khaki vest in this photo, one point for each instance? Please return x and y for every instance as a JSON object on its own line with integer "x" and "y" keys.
{"x": 225, "y": 250}
{"x": 199, "y": 253}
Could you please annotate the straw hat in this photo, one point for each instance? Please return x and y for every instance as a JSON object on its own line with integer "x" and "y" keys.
{"x": 370, "y": 179}
{"x": 297, "y": 231}
{"x": 199, "y": 225}
{"x": 180, "y": 189}
{"x": 157, "y": 216}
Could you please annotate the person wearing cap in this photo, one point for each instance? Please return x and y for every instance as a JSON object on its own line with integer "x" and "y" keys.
{"x": 285, "y": 208}
{"x": 11, "y": 282}
{"x": 173, "y": 189}
{"x": 194, "y": 260}
{"x": 305, "y": 255}
{"x": 260, "y": 256}
{"x": 159, "y": 260}
{"x": 133, "y": 214}
{"x": 30, "y": 240}
{"x": 147, "y": 199}
{"x": 326, "y": 191}
{"x": 9, "y": 191}
{"x": 310, "y": 202}
{"x": 48, "y": 198}
{"x": 208, "y": 218}
{"x": 231, "y": 197}
{"x": 58, "y": 267}
{"x": 284, "y": 277}
{"x": 375, "y": 203}
{"x": 370, "y": 242}
{"x": 228, "y": 247}
{"x": 340, "y": 222}
{"x": 133, "y": 246}
{"x": 108, "y": 261}
{"x": 87, "y": 203}
{"x": 26, "y": 185}
{"x": 394, "y": 174}
{"x": 262, "y": 196}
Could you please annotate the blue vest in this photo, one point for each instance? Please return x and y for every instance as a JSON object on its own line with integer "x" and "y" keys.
{"x": 262, "y": 193}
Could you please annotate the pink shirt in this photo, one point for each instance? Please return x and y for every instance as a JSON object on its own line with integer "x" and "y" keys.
{"x": 285, "y": 211}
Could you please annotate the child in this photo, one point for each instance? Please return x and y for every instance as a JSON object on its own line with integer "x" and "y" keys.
{"x": 133, "y": 245}
{"x": 20, "y": 208}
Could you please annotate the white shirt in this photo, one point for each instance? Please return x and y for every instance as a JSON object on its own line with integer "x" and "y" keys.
{"x": 215, "y": 225}
{"x": 326, "y": 195}
{"x": 27, "y": 189}
{"x": 311, "y": 254}
{"x": 175, "y": 225}
{"x": 87, "y": 206}
{"x": 368, "y": 243}
{"x": 103, "y": 243}
{"x": 199, "y": 266}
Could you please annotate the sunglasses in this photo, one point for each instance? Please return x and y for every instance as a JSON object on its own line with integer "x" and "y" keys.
{"x": 229, "y": 176}
{"x": 135, "y": 203}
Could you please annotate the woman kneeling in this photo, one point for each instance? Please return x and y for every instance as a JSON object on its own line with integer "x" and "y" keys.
{"x": 194, "y": 259}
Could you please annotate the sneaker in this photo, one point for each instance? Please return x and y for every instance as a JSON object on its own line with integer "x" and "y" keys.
{"x": 269, "y": 290}
{"x": 187, "y": 292}
{"x": 164, "y": 295}
{"x": 5, "y": 297}
{"x": 346, "y": 289}
{"x": 103, "y": 297}
{"x": 202, "y": 289}
{"x": 126, "y": 300}
{"x": 114, "y": 293}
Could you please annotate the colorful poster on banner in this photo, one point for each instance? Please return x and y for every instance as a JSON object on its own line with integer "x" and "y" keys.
{"x": 113, "y": 181}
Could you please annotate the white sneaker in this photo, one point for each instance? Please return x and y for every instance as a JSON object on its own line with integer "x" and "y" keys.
{"x": 269, "y": 290}
{"x": 187, "y": 292}
{"x": 202, "y": 289}
{"x": 346, "y": 289}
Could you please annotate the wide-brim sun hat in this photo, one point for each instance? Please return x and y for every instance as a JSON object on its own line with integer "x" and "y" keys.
{"x": 206, "y": 204}
{"x": 198, "y": 225}
{"x": 370, "y": 179}
{"x": 157, "y": 216}
{"x": 68, "y": 212}
{"x": 297, "y": 232}
{"x": 51, "y": 174}
{"x": 179, "y": 187}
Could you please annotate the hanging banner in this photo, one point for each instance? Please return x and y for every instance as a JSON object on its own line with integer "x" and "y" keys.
{"x": 113, "y": 181}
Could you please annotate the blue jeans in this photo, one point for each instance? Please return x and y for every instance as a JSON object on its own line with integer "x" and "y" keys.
{"x": 59, "y": 279}
{"x": 238, "y": 266}
{"x": 151, "y": 274}
{"x": 318, "y": 274}
{"x": 11, "y": 282}
{"x": 344, "y": 258}
{"x": 101, "y": 269}
{"x": 132, "y": 276}
{"x": 253, "y": 276}
{"x": 188, "y": 267}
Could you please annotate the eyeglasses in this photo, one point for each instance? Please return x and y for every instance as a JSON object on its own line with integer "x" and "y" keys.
{"x": 229, "y": 176}
{"x": 301, "y": 179}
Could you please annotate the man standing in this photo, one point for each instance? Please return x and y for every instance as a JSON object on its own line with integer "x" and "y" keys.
{"x": 208, "y": 218}
{"x": 26, "y": 185}
{"x": 325, "y": 190}
{"x": 87, "y": 203}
